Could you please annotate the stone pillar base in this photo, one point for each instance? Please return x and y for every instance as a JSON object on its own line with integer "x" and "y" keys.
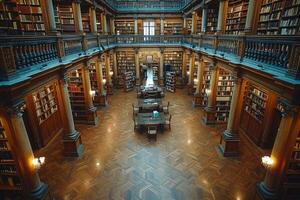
{"x": 109, "y": 89}
{"x": 73, "y": 146}
{"x": 229, "y": 145}
{"x": 40, "y": 192}
{"x": 161, "y": 82}
{"x": 263, "y": 193}
{"x": 92, "y": 117}
{"x": 209, "y": 116}
{"x": 197, "y": 101}
{"x": 191, "y": 89}
{"x": 101, "y": 100}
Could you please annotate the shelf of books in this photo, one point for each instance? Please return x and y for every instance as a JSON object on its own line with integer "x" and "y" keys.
{"x": 9, "y": 18}
{"x": 129, "y": 81}
{"x": 155, "y": 67}
{"x": 98, "y": 21}
{"x": 170, "y": 81}
{"x": 24, "y": 16}
{"x": 85, "y": 17}
{"x": 45, "y": 102}
{"x": 10, "y": 179}
{"x": 290, "y": 18}
{"x": 189, "y": 25}
{"x": 255, "y": 101}
{"x": 173, "y": 26}
{"x": 125, "y": 63}
{"x": 99, "y": 98}
{"x": 223, "y": 97}
{"x": 77, "y": 95}
{"x": 212, "y": 20}
{"x": 174, "y": 59}
{"x": 157, "y": 26}
{"x": 205, "y": 85}
{"x": 269, "y": 17}
{"x": 124, "y": 26}
{"x": 236, "y": 16}
{"x": 199, "y": 23}
{"x": 292, "y": 172}
{"x": 66, "y": 17}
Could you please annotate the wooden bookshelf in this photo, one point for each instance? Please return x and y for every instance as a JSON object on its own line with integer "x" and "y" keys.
{"x": 223, "y": 97}
{"x": 173, "y": 26}
{"x": 66, "y": 17}
{"x": 157, "y": 26}
{"x": 124, "y": 26}
{"x": 171, "y": 81}
{"x": 255, "y": 101}
{"x": 77, "y": 95}
{"x": 129, "y": 81}
{"x": 269, "y": 17}
{"x": 85, "y": 17}
{"x": 9, "y": 18}
{"x": 205, "y": 85}
{"x": 290, "y": 19}
{"x": 99, "y": 98}
{"x": 236, "y": 16}
{"x": 98, "y": 21}
{"x": 10, "y": 176}
{"x": 174, "y": 59}
{"x": 125, "y": 63}
{"x": 189, "y": 25}
{"x": 212, "y": 20}
{"x": 199, "y": 23}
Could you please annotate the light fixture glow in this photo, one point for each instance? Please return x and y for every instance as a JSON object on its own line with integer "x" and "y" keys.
{"x": 111, "y": 73}
{"x": 104, "y": 81}
{"x": 38, "y": 162}
{"x": 92, "y": 93}
{"x": 267, "y": 161}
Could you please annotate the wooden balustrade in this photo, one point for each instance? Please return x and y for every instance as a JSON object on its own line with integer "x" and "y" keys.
{"x": 72, "y": 45}
{"x": 25, "y": 52}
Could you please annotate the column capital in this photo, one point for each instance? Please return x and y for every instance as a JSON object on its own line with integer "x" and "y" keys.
{"x": 161, "y": 50}
{"x": 77, "y": 1}
{"x": 284, "y": 106}
{"x": 212, "y": 65}
{"x": 17, "y": 109}
{"x": 136, "y": 50}
{"x": 236, "y": 76}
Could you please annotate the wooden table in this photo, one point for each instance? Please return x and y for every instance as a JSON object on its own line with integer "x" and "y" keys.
{"x": 151, "y": 92}
{"x": 149, "y": 105}
{"x": 146, "y": 119}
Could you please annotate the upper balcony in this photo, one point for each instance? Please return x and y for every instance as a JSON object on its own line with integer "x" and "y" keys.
{"x": 22, "y": 57}
{"x": 148, "y": 5}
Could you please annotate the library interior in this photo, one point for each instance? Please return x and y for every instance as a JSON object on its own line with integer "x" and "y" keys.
{"x": 150, "y": 99}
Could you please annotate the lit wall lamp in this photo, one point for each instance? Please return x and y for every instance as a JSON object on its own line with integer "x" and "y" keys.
{"x": 188, "y": 73}
{"x": 207, "y": 91}
{"x": 111, "y": 73}
{"x": 195, "y": 80}
{"x": 104, "y": 81}
{"x": 267, "y": 162}
{"x": 92, "y": 93}
{"x": 38, "y": 162}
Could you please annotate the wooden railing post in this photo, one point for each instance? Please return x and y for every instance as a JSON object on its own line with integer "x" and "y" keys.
{"x": 294, "y": 62}
{"x": 8, "y": 64}
{"x": 60, "y": 48}
{"x": 241, "y": 47}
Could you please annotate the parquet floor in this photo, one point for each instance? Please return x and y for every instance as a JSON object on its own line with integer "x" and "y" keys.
{"x": 183, "y": 163}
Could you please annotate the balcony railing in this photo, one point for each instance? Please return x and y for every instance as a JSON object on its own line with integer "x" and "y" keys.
{"x": 280, "y": 53}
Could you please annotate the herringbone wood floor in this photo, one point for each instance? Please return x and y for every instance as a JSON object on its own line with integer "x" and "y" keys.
{"x": 118, "y": 163}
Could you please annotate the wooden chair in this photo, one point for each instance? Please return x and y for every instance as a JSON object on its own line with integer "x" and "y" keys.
{"x": 135, "y": 110}
{"x": 152, "y": 132}
{"x": 168, "y": 122}
{"x": 166, "y": 108}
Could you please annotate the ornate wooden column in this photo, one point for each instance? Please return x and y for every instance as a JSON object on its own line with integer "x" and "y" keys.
{"x": 184, "y": 22}
{"x": 184, "y": 61}
{"x": 281, "y": 153}
{"x": 194, "y": 23}
{"x": 137, "y": 66}
{"x": 136, "y": 25}
{"x": 229, "y": 142}
{"x": 198, "y": 96}
{"x": 93, "y": 20}
{"x": 77, "y": 16}
{"x": 162, "y": 25}
{"x": 250, "y": 16}
{"x": 104, "y": 23}
{"x": 33, "y": 187}
{"x": 115, "y": 69}
{"x": 102, "y": 96}
{"x": 91, "y": 109}
{"x": 191, "y": 74}
{"x": 109, "y": 88}
{"x": 204, "y": 19}
{"x": 112, "y": 26}
{"x": 222, "y": 16}
{"x": 210, "y": 109}
{"x": 50, "y": 17}
{"x": 161, "y": 67}
{"x": 73, "y": 146}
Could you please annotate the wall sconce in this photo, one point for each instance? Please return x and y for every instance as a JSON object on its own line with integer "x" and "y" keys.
{"x": 207, "y": 91}
{"x": 38, "y": 162}
{"x": 111, "y": 73}
{"x": 195, "y": 80}
{"x": 267, "y": 162}
{"x": 104, "y": 81}
{"x": 188, "y": 73}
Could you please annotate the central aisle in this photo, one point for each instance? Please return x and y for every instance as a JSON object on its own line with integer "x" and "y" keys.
{"x": 120, "y": 164}
{"x": 149, "y": 81}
